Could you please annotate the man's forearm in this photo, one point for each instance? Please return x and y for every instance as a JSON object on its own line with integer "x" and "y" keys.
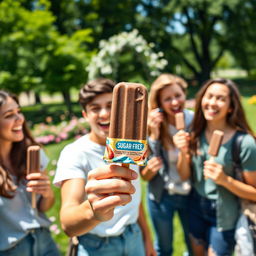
{"x": 78, "y": 219}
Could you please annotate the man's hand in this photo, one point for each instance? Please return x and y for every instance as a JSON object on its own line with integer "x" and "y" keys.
{"x": 107, "y": 187}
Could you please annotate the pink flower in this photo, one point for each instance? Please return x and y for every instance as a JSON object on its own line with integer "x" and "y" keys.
{"x": 53, "y": 227}
{"x": 58, "y": 139}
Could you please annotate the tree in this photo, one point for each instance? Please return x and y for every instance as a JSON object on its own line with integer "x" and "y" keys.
{"x": 66, "y": 66}
{"x": 24, "y": 38}
{"x": 240, "y": 32}
{"x": 190, "y": 30}
{"x": 33, "y": 54}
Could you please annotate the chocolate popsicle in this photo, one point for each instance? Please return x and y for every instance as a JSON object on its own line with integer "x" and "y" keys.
{"x": 179, "y": 121}
{"x": 33, "y": 165}
{"x": 128, "y": 125}
{"x": 215, "y": 143}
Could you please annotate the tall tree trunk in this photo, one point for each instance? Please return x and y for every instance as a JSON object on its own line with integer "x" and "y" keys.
{"x": 37, "y": 98}
{"x": 67, "y": 100}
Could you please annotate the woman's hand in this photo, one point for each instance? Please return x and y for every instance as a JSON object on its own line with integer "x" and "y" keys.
{"x": 153, "y": 166}
{"x": 215, "y": 172}
{"x": 181, "y": 141}
{"x": 155, "y": 118}
{"x": 39, "y": 183}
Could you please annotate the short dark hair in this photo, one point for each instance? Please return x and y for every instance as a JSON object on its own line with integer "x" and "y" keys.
{"x": 94, "y": 88}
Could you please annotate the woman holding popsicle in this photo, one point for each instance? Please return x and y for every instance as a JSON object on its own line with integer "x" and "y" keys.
{"x": 167, "y": 192}
{"x": 23, "y": 230}
{"x": 214, "y": 205}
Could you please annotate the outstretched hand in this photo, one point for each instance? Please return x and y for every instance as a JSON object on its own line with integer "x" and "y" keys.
{"x": 107, "y": 187}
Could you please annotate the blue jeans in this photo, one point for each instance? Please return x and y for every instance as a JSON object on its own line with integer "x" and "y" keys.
{"x": 203, "y": 228}
{"x": 162, "y": 214}
{"x": 37, "y": 243}
{"x": 129, "y": 243}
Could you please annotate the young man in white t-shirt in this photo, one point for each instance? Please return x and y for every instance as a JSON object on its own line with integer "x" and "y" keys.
{"x": 101, "y": 204}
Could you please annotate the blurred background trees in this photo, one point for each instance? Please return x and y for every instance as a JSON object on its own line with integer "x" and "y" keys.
{"x": 47, "y": 45}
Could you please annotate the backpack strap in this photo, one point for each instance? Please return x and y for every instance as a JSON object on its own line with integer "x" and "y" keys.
{"x": 236, "y": 148}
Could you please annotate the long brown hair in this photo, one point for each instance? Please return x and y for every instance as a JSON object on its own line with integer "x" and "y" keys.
{"x": 163, "y": 81}
{"x": 236, "y": 118}
{"x": 17, "y": 155}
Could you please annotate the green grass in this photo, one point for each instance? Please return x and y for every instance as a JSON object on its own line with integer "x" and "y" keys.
{"x": 53, "y": 152}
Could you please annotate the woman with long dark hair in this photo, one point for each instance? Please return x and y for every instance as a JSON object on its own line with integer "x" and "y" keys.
{"x": 214, "y": 206}
{"x": 23, "y": 229}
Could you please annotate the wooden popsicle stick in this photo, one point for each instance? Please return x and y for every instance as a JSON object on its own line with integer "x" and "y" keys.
{"x": 33, "y": 200}
{"x": 33, "y": 165}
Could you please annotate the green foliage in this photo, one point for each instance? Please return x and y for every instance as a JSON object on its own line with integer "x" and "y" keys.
{"x": 23, "y": 42}
{"x": 33, "y": 54}
{"x": 46, "y": 44}
{"x": 190, "y": 32}
{"x": 39, "y": 113}
{"x": 241, "y": 28}
{"x": 69, "y": 56}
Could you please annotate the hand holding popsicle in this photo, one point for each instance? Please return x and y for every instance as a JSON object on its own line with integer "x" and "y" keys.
{"x": 155, "y": 118}
{"x": 107, "y": 187}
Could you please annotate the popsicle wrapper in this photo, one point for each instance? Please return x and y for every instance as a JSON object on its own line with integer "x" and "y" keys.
{"x": 126, "y": 151}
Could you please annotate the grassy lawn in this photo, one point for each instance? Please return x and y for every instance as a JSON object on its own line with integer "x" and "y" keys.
{"x": 38, "y": 114}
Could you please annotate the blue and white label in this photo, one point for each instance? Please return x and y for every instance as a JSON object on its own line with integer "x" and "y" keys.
{"x": 129, "y": 145}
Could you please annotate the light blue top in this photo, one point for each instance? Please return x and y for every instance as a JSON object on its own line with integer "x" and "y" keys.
{"x": 17, "y": 216}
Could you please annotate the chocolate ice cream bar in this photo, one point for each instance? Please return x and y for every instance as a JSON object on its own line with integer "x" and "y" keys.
{"x": 215, "y": 143}
{"x": 33, "y": 165}
{"x": 179, "y": 121}
{"x": 128, "y": 125}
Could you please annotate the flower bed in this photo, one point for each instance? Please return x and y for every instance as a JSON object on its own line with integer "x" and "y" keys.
{"x": 50, "y": 133}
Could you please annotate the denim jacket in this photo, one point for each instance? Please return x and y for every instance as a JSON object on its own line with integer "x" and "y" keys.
{"x": 156, "y": 185}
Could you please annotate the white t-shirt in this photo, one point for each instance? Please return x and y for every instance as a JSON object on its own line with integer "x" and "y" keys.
{"x": 75, "y": 161}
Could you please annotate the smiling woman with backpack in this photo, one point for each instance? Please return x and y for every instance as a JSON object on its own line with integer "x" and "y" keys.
{"x": 214, "y": 206}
